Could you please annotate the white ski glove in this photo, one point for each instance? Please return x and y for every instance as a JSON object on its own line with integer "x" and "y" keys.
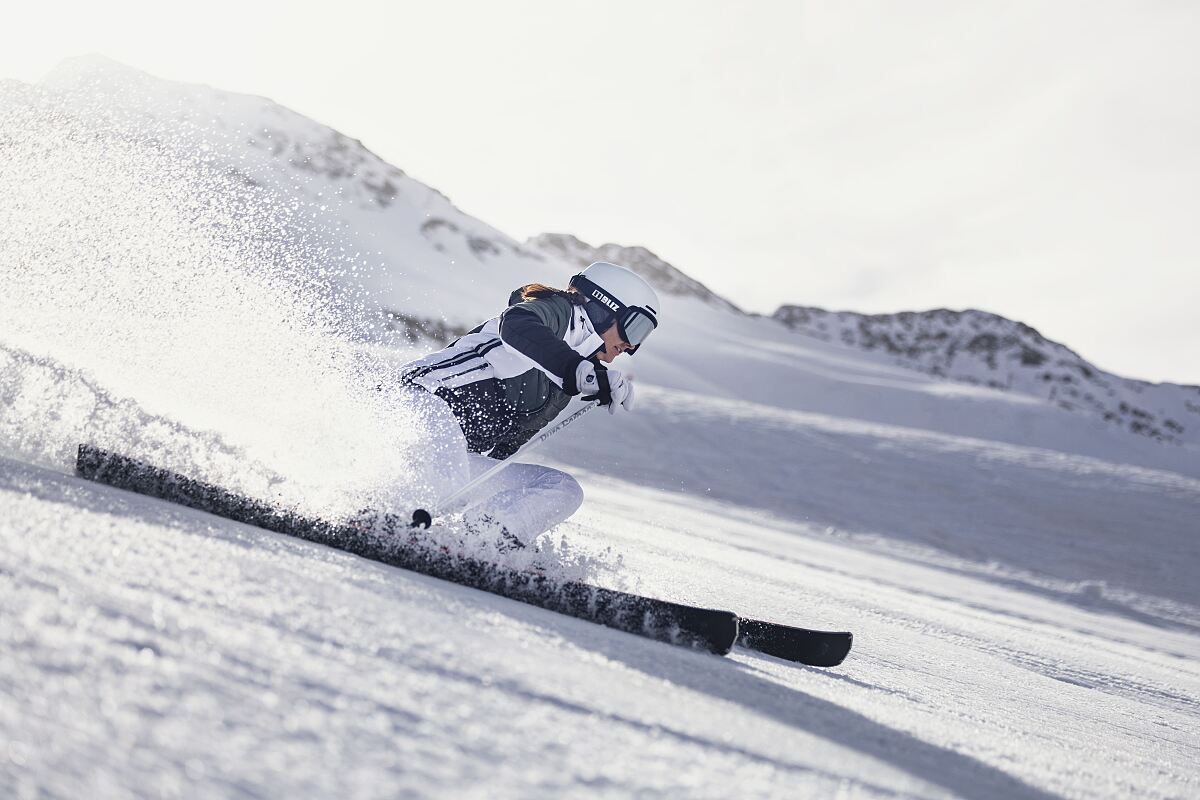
{"x": 608, "y": 386}
{"x": 586, "y": 382}
{"x": 622, "y": 392}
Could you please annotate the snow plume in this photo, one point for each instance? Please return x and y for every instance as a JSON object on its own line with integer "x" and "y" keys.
{"x": 46, "y": 408}
{"x": 158, "y": 299}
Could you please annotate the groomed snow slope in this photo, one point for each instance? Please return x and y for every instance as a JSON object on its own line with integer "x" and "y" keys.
{"x": 1020, "y": 580}
{"x": 157, "y": 651}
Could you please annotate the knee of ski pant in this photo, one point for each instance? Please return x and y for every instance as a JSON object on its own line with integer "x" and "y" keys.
{"x": 572, "y": 492}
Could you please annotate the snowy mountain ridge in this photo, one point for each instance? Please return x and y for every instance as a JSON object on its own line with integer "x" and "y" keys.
{"x": 972, "y": 347}
{"x": 265, "y": 143}
{"x": 986, "y": 349}
{"x": 663, "y": 276}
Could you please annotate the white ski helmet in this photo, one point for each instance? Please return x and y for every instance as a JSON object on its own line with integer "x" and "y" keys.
{"x": 629, "y": 300}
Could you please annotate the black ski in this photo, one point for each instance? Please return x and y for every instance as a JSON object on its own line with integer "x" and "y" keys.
{"x": 814, "y": 648}
{"x": 708, "y": 629}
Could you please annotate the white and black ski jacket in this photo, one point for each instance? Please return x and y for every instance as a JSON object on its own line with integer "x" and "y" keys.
{"x": 510, "y": 376}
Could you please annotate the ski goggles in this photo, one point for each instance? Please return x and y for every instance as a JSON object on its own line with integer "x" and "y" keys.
{"x": 634, "y": 323}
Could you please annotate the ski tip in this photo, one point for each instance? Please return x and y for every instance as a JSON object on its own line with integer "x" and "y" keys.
{"x": 800, "y": 645}
{"x": 421, "y": 519}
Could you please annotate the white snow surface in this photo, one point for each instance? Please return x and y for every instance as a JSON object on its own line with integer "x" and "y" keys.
{"x": 197, "y": 278}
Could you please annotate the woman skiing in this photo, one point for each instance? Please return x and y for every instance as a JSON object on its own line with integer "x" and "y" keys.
{"x": 494, "y": 388}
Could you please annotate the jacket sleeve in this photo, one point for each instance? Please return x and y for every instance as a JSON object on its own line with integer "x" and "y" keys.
{"x": 535, "y": 330}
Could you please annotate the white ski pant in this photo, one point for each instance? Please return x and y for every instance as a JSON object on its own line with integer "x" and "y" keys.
{"x": 527, "y": 499}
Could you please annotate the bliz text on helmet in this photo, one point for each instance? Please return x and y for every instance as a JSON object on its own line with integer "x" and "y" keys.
{"x": 603, "y": 298}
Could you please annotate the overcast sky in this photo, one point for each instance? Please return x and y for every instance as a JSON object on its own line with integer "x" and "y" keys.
{"x": 1040, "y": 160}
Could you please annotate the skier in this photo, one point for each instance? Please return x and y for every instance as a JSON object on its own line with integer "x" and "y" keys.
{"x": 494, "y": 388}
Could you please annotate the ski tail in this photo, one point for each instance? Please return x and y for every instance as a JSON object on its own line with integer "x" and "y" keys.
{"x": 802, "y": 645}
